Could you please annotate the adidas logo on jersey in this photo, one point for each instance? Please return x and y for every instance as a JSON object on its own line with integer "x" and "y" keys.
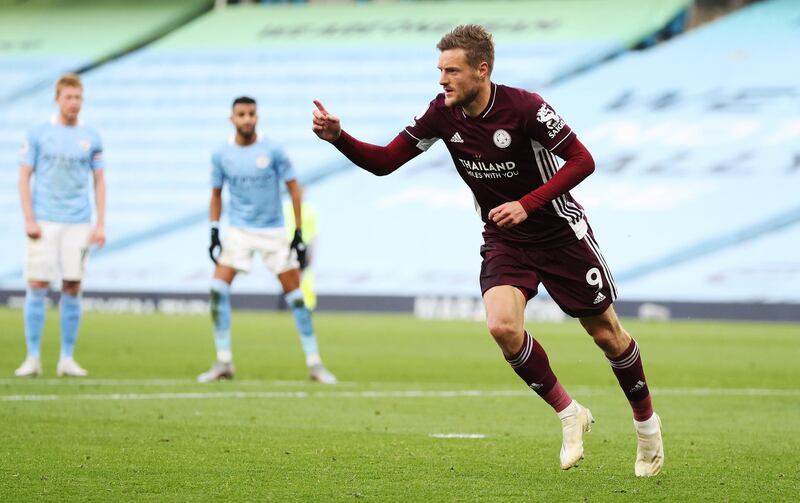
{"x": 639, "y": 385}
{"x": 456, "y": 138}
{"x": 600, "y": 298}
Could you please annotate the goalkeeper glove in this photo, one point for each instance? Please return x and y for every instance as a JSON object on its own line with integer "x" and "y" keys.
{"x": 215, "y": 243}
{"x": 299, "y": 247}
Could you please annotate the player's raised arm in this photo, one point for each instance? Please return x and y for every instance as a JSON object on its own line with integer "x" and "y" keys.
{"x": 376, "y": 159}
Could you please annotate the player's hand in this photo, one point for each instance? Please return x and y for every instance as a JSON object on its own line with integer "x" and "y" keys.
{"x": 299, "y": 247}
{"x": 508, "y": 215}
{"x": 325, "y": 125}
{"x": 33, "y": 230}
{"x": 215, "y": 245}
{"x": 98, "y": 236}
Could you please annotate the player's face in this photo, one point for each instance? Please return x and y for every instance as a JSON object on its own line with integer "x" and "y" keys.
{"x": 460, "y": 81}
{"x": 69, "y": 102}
{"x": 244, "y": 118}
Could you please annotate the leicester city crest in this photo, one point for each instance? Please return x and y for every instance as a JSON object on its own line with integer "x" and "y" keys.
{"x": 501, "y": 138}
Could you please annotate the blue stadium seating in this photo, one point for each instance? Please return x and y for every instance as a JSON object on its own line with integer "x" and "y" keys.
{"x": 161, "y": 111}
{"x": 664, "y": 203}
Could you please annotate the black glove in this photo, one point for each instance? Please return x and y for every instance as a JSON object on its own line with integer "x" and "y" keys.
{"x": 300, "y": 247}
{"x": 215, "y": 244}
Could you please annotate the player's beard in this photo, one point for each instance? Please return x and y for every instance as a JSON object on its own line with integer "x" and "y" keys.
{"x": 469, "y": 97}
{"x": 246, "y": 135}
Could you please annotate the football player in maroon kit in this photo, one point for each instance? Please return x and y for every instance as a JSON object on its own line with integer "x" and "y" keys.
{"x": 503, "y": 141}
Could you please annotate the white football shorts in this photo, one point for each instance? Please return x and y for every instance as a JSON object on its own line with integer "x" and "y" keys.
{"x": 61, "y": 251}
{"x": 239, "y": 244}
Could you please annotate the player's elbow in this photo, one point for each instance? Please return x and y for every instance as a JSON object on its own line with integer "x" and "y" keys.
{"x": 383, "y": 169}
{"x": 584, "y": 164}
{"x": 589, "y": 164}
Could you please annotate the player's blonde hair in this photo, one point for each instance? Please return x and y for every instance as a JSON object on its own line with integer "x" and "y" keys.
{"x": 476, "y": 42}
{"x": 68, "y": 80}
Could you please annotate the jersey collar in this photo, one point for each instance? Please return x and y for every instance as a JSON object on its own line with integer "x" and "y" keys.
{"x": 232, "y": 140}
{"x": 54, "y": 120}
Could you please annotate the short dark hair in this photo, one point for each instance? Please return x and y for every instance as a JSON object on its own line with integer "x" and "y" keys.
{"x": 243, "y": 100}
{"x": 475, "y": 40}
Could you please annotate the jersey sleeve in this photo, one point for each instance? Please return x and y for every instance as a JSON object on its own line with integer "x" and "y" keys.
{"x": 97, "y": 153}
{"x": 284, "y": 166}
{"x": 217, "y": 174}
{"x": 544, "y": 125}
{"x": 423, "y": 131}
{"x": 29, "y": 150}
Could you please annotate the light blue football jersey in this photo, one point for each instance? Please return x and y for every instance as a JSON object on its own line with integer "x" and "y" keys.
{"x": 62, "y": 158}
{"x": 254, "y": 175}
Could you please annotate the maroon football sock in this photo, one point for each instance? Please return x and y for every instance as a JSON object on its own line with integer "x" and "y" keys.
{"x": 630, "y": 374}
{"x": 532, "y": 365}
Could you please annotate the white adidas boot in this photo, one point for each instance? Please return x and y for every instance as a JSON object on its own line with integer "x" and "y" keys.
{"x": 575, "y": 421}
{"x": 650, "y": 448}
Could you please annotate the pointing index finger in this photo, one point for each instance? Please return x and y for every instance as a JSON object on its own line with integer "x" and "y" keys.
{"x": 321, "y": 107}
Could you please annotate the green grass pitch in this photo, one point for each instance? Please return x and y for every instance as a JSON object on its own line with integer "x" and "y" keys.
{"x": 140, "y": 429}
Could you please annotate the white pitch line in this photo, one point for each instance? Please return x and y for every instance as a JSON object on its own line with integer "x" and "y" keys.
{"x": 386, "y": 394}
{"x": 726, "y": 391}
{"x": 102, "y": 382}
{"x": 78, "y": 381}
{"x": 457, "y": 435}
{"x": 576, "y": 390}
{"x": 265, "y": 394}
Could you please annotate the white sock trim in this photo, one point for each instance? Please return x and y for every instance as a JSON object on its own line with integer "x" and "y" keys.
{"x": 570, "y": 410}
{"x": 220, "y": 285}
{"x": 649, "y": 426}
{"x": 291, "y": 297}
{"x": 522, "y": 358}
{"x": 225, "y": 356}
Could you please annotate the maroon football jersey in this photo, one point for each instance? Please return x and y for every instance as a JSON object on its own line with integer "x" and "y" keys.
{"x": 504, "y": 153}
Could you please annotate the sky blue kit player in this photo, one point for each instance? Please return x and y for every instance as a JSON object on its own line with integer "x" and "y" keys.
{"x": 59, "y": 156}
{"x": 254, "y": 170}
{"x": 254, "y": 175}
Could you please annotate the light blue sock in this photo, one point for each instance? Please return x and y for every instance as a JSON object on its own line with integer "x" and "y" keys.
{"x": 70, "y": 320}
{"x": 302, "y": 318}
{"x": 33, "y": 312}
{"x": 221, "y": 315}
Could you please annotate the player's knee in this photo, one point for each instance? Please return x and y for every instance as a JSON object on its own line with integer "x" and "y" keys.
{"x": 602, "y": 337}
{"x": 502, "y": 328}
{"x": 607, "y": 334}
{"x": 71, "y": 287}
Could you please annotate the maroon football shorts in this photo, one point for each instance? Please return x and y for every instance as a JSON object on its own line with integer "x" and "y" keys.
{"x": 575, "y": 275}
